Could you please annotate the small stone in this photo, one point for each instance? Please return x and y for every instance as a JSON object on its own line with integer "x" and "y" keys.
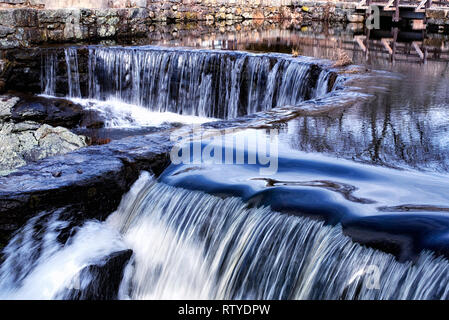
{"x": 57, "y": 174}
{"x": 355, "y": 18}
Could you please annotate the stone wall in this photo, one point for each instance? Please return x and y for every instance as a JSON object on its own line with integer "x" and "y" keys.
{"x": 88, "y": 4}
{"x": 438, "y": 17}
{"x": 97, "y": 4}
{"x": 23, "y": 27}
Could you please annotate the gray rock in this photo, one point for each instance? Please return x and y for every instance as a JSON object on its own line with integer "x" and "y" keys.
{"x": 9, "y": 44}
{"x": 72, "y": 28}
{"x": 7, "y": 17}
{"x": 94, "y": 178}
{"x": 14, "y": 1}
{"x": 6, "y": 104}
{"x": 29, "y": 141}
{"x": 25, "y": 126}
{"x": 12, "y": 147}
{"x": 4, "y": 31}
{"x": 37, "y": 2}
{"x": 56, "y": 141}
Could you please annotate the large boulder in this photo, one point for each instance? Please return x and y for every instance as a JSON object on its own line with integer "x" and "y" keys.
{"x": 105, "y": 278}
{"x": 15, "y": 142}
{"x": 52, "y": 111}
{"x": 25, "y": 136}
{"x": 21, "y": 143}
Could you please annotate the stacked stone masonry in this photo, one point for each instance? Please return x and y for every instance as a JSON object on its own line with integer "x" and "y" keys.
{"x": 23, "y": 27}
{"x": 24, "y": 23}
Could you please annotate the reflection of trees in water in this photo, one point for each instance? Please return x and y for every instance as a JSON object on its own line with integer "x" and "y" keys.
{"x": 405, "y": 126}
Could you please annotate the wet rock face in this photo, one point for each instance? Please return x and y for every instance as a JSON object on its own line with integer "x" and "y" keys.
{"x": 103, "y": 278}
{"x": 45, "y": 110}
{"x": 21, "y": 70}
{"x": 54, "y": 112}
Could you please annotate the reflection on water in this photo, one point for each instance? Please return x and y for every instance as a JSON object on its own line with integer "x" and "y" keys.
{"x": 406, "y": 125}
{"x": 360, "y": 197}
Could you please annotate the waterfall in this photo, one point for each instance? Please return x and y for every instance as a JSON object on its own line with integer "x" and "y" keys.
{"x": 187, "y": 244}
{"x": 48, "y": 72}
{"x": 214, "y": 84}
{"x": 322, "y": 84}
{"x": 73, "y": 77}
{"x": 205, "y": 83}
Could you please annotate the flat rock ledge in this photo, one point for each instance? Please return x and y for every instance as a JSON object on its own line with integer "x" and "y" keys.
{"x": 91, "y": 180}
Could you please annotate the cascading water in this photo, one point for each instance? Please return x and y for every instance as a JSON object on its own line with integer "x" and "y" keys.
{"x": 49, "y": 63}
{"x": 188, "y": 244}
{"x": 214, "y": 84}
{"x": 322, "y": 84}
{"x": 204, "y": 83}
{"x": 73, "y": 77}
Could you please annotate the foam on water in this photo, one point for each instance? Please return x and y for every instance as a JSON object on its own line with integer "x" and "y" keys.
{"x": 119, "y": 114}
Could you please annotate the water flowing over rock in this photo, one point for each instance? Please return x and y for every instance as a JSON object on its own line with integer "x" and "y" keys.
{"x": 300, "y": 235}
{"x": 103, "y": 278}
{"x": 204, "y": 83}
{"x": 48, "y": 72}
{"x": 92, "y": 179}
{"x": 73, "y": 78}
{"x": 216, "y": 84}
{"x": 191, "y": 245}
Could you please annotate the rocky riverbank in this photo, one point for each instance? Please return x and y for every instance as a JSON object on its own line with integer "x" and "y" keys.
{"x": 33, "y": 128}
